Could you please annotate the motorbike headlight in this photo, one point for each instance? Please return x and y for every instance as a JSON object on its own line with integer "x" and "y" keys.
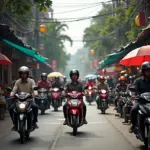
{"x": 55, "y": 89}
{"x": 90, "y": 93}
{"x": 22, "y": 106}
{"x": 103, "y": 91}
{"x": 74, "y": 103}
{"x": 90, "y": 88}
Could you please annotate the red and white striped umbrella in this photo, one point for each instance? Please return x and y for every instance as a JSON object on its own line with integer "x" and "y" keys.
{"x": 4, "y": 60}
{"x": 137, "y": 56}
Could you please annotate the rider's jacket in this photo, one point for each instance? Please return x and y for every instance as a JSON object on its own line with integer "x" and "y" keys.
{"x": 43, "y": 84}
{"x": 23, "y": 86}
{"x": 71, "y": 86}
{"x": 141, "y": 85}
{"x": 90, "y": 84}
{"x": 102, "y": 86}
{"x": 56, "y": 85}
{"x": 121, "y": 87}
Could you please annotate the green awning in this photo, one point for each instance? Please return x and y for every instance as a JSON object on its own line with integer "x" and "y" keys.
{"x": 27, "y": 51}
{"x": 116, "y": 57}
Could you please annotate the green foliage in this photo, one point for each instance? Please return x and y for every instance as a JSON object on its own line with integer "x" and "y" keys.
{"x": 54, "y": 44}
{"x": 21, "y": 7}
{"x": 104, "y": 25}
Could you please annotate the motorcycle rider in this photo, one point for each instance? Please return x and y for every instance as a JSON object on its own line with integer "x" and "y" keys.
{"x": 90, "y": 83}
{"x": 23, "y": 84}
{"x": 44, "y": 83}
{"x": 141, "y": 85}
{"x": 56, "y": 83}
{"x": 74, "y": 85}
{"x": 101, "y": 86}
{"x": 121, "y": 86}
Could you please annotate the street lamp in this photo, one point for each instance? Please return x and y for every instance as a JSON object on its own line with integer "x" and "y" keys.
{"x": 42, "y": 28}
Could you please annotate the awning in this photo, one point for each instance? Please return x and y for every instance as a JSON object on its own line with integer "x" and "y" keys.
{"x": 27, "y": 51}
{"x": 116, "y": 57}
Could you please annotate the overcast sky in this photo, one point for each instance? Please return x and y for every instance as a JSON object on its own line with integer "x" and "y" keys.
{"x": 76, "y": 29}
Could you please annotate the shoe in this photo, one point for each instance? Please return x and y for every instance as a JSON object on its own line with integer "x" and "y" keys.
{"x": 132, "y": 128}
{"x": 85, "y": 122}
{"x": 14, "y": 128}
{"x": 35, "y": 126}
{"x": 65, "y": 122}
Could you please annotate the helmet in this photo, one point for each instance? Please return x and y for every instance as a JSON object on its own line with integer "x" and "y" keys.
{"x": 57, "y": 78}
{"x": 89, "y": 79}
{"x": 74, "y": 71}
{"x": 44, "y": 75}
{"x": 98, "y": 76}
{"x": 65, "y": 77}
{"x": 102, "y": 78}
{"x": 122, "y": 78}
{"x": 123, "y": 72}
{"x": 145, "y": 66}
{"x": 23, "y": 69}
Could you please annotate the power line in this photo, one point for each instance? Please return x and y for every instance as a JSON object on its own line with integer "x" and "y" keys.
{"x": 78, "y": 9}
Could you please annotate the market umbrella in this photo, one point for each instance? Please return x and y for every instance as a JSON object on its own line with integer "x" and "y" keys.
{"x": 4, "y": 60}
{"x": 90, "y": 76}
{"x": 54, "y": 74}
{"x": 137, "y": 56}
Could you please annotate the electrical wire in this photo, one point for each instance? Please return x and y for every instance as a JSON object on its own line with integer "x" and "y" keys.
{"x": 64, "y": 12}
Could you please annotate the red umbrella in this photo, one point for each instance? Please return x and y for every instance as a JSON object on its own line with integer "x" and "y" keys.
{"x": 137, "y": 56}
{"x": 4, "y": 60}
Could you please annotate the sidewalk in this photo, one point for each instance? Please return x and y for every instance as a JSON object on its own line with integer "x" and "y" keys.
{"x": 5, "y": 126}
{"x": 122, "y": 128}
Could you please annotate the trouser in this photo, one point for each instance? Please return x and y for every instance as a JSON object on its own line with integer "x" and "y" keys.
{"x": 34, "y": 109}
{"x": 134, "y": 113}
{"x": 65, "y": 110}
{"x": 115, "y": 102}
{"x": 125, "y": 111}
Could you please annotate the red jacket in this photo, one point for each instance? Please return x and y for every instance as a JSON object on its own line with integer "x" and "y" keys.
{"x": 42, "y": 84}
{"x": 90, "y": 84}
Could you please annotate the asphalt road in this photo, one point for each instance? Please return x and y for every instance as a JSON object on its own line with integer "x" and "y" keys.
{"x": 98, "y": 134}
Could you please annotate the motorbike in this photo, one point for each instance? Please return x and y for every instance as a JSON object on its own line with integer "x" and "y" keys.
{"x": 24, "y": 115}
{"x": 129, "y": 103}
{"x": 103, "y": 94}
{"x": 75, "y": 110}
{"x": 42, "y": 100}
{"x": 90, "y": 95}
{"x": 56, "y": 98}
{"x": 121, "y": 102}
{"x": 142, "y": 131}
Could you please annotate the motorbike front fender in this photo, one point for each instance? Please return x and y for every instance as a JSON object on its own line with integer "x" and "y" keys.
{"x": 21, "y": 117}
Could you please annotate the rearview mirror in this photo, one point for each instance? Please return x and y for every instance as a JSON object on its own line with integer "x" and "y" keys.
{"x": 9, "y": 89}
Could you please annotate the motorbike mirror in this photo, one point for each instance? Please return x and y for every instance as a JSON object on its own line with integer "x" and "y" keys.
{"x": 61, "y": 88}
{"x": 35, "y": 88}
{"x": 9, "y": 89}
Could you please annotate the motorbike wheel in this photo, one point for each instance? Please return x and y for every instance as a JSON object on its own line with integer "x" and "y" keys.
{"x": 42, "y": 110}
{"x": 22, "y": 132}
{"x": 103, "y": 111}
{"x": 75, "y": 128}
{"x": 55, "y": 108}
{"x": 147, "y": 140}
{"x": 27, "y": 135}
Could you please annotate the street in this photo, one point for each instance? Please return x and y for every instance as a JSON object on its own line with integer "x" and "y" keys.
{"x": 99, "y": 133}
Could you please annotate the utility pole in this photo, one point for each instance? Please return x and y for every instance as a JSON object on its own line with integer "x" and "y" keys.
{"x": 37, "y": 29}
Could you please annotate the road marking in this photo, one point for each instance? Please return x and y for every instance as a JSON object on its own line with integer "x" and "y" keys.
{"x": 61, "y": 119}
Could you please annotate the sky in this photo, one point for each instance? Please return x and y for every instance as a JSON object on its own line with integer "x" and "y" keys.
{"x": 76, "y": 29}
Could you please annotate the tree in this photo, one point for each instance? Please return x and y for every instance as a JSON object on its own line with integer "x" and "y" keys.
{"x": 21, "y": 7}
{"x": 54, "y": 44}
{"x": 119, "y": 28}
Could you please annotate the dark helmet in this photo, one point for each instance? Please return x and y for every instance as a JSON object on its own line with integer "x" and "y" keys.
{"x": 89, "y": 79}
{"x": 44, "y": 75}
{"x": 23, "y": 69}
{"x": 65, "y": 77}
{"x": 98, "y": 77}
{"x": 56, "y": 77}
{"x": 74, "y": 71}
{"x": 145, "y": 66}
